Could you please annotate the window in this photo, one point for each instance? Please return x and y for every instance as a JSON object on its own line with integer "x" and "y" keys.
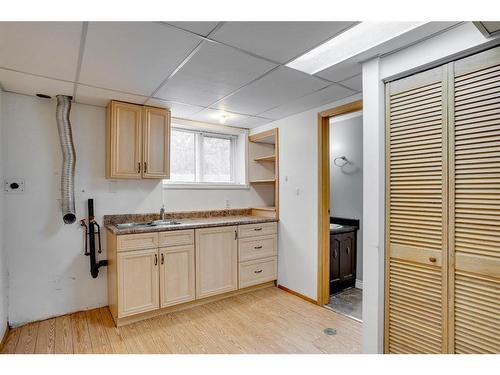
{"x": 200, "y": 157}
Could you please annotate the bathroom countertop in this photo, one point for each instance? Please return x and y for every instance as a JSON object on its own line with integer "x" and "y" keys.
{"x": 343, "y": 229}
{"x": 201, "y": 219}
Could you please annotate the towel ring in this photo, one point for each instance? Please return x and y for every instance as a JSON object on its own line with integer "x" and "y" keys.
{"x": 343, "y": 158}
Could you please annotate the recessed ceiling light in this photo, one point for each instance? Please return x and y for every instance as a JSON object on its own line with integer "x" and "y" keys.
{"x": 223, "y": 119}
{"x": 350, "y": 43}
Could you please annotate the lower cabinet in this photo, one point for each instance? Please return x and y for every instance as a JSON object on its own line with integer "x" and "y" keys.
{"x": 177, "y": 270}
{"x": 216, "y": 261}
{"x": 137, "y": 282}
{"x": 342, "y": 261}
{"x": 152, "y": 271}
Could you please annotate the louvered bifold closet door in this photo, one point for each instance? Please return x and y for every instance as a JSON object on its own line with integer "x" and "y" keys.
{"x": 475, "y": 207}
{"x": 416, "y": 213}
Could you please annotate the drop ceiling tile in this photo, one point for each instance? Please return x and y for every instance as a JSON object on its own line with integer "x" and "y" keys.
{"x": 214, "y": 116}
{"x": 179, "y": 110}
{"x": 201, "y": 28}
{"x": 354, "y": 83}
{"x": 31, "y": 85}
{"x": 278, "y": 41}
{"x": 252, "y": 122}
{"x": 278, "y": 87}
{"x": 341, "y": 71}
{"x": 133, "y": 57}
{"x": 327, "y": 95}
{"x": 101, "y": 97}
{"x": 212, "y": 73}
{"x": 44, "y": 48}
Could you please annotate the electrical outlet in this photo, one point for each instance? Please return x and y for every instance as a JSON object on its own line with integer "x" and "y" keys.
{"x": 228, "y": 203}
{"x": 14, "y": 185}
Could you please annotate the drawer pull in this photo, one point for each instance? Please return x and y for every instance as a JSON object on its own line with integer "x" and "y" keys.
{"x": 257, "y": 229}
{"x": 258, "y": 247}
{"x": 432, "y": 259}
{"x": 259, "y": 271}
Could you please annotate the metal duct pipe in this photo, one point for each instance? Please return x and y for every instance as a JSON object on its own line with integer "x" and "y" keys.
{"x": 69, "y": 158}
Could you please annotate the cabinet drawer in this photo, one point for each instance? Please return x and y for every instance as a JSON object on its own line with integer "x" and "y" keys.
{"x": 262, "y": 229}
{"x": 258, "y": 271}
{"x": 257, "y": 247}
{"x": 138, "y": 241}
{"x": 176, "y": 238}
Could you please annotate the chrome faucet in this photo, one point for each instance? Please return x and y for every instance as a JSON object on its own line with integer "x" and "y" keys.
{"x": 162, "y": 212}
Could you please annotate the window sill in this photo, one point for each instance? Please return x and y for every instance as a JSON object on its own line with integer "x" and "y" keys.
{"x": 203, "y": 186}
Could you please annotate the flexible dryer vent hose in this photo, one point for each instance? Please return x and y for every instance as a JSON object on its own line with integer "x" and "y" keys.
{"x": 69, "y": 159}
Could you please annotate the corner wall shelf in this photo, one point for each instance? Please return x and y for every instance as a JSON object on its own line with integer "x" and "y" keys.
{"x": 263, "y": 171}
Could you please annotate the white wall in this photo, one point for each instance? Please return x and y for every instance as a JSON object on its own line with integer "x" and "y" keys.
{"x": 3, "y": 260}
{"x": 48, "y": 275}
{"x": 346, "y": 183}
{"x": 298, "y": 195}
{"x": 450, "y": 45}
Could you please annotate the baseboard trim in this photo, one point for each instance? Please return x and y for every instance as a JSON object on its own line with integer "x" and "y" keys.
{"x": 359, "y": 284}
{"x": 4, "y": 338}
{"x": 297, "y": 294}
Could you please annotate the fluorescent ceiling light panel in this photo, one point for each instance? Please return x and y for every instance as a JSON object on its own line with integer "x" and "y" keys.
{"x": 350, "y": 43}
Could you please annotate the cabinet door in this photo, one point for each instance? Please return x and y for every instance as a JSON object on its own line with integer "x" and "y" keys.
{"x": 334, "y": 263}
{"x": 137, "y": 282}
{"x": 216, "y": 261}
{"x": 124, "y": 141}
{"x": 176, "y": 275}
{"x": 156, "y": 133}
{"x": 347, "y": 250}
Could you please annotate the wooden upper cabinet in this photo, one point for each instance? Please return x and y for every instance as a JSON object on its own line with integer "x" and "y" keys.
{"x": 124, "y": 141}
{"x": 156, "y": 136}
{"x": 137, "y": 141}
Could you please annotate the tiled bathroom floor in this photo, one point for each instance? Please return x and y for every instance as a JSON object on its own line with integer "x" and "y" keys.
{"x": 348, "y": 302}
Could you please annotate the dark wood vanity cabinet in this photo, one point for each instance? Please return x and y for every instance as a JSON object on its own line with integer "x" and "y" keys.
{"x": 342, "y": 261}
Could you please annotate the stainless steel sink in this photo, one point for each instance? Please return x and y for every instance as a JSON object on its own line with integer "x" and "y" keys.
{"x": 149, "y": 224}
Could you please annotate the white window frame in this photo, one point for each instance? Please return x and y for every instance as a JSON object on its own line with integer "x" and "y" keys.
{"x": 239, "y": 150}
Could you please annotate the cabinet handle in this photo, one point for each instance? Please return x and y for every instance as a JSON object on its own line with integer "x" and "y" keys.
{"x": 139, "y": 167}
{"x": 335, "y": 253}
{"x": 259, "y": 271}
{"x": 145, "y": 167}
{"x": 432, "y": 259}
{"x": 235, "y": 234}
{"x": 258, "y": 247}
{"x": 156, "y": 259}
{"x": 257, "y": 229}
{"x": 162, "y": 258}
{"x": 347, "y": 250}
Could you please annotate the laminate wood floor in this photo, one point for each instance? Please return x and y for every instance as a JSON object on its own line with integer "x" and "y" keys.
{"x": 264, "y": 321}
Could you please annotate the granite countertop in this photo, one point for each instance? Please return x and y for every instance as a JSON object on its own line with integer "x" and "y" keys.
{"x": 343, "y": 229}
{"x": 192, "y": 220}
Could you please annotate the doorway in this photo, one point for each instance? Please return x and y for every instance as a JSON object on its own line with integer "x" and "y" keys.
{"x": 340, "y": 209}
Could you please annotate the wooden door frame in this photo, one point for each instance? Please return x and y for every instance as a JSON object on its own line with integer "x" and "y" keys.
{"x": 324, "y": 195}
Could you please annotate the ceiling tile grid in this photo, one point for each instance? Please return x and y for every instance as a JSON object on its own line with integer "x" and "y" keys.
{"x": 326, "y": 95}
{"x": 29, "y": 84}
{"x": 128, "y": 61}
{"x": 278, "y": 87}
{"x": 278, "y": 41}
{"x": 212, "y": 73}
{"x": 44, "y": 48}
{"x": 133, "y": 57}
